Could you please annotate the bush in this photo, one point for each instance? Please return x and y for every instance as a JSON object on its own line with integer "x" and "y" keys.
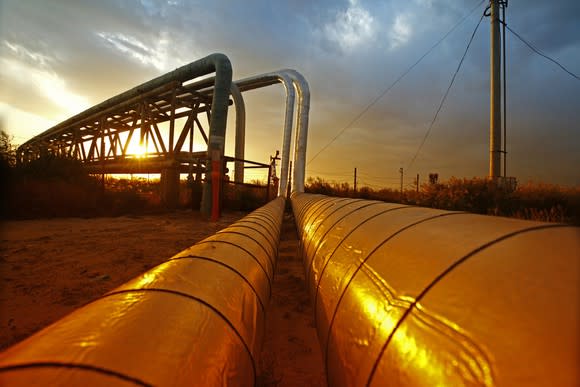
{"x": 541, "y": 202}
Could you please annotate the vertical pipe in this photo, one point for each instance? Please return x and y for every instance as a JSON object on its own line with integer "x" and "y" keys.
{"x": 240, "y": 133}
{"x": 495, "y": 96}
{"x": 283, "y": 77}
{"x": 287, "y": 136}
{"x": 302, "y": 132}
{"x": 217, "y": 126}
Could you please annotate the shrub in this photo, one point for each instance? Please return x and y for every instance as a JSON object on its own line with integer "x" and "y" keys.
{"x": 541, "y": 202}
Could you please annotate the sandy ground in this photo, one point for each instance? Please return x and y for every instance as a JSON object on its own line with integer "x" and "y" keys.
{"x": 50, "y": 267}
{"x": 291, "y": 355}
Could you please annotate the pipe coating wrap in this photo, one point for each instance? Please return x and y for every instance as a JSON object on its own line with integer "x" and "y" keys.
{"x": 406, "y": 295}
{"x": 196, "y": 319}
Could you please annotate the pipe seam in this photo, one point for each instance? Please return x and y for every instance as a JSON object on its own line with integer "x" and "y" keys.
{"x": 247, "y": 252}
{"x": 84, "y": 367}
{"x": 439, "y": 277}
{"x": 226, "y": 266}
{"x": 261, "y": 246}
{"x": 266, "y": 237}
{"x": 263, "y": 217}
{"x": 338, "y": 246}
{"x": 330, "y": 228}
{"x": 361, "y": 264}
{"x": 199, "y": 300}
{"x": 317, "y": 208}
{"x": 307, "y": 242}
{"x": 239, "y": 224}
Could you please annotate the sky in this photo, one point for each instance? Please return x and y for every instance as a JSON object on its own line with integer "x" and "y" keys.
{"x": 60, "y": 57}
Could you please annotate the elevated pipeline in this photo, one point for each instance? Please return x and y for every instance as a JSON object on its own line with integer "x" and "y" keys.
{"x": 406, "y": 295}
{"x": 293, "y": 83}
{"x": 196, "y": 319}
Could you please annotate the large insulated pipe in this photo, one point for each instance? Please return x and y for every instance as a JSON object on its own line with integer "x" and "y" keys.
{"x": 240, "y": 141}
{"x": 406, "y": 295}
{"x": 265, "y": 80}
{"x": 195, "y": 320}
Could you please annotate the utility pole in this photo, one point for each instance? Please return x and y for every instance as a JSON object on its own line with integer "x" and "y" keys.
{"x": 401, "y": 172}
{"x": 417, "y": 183}
{"x": 354, "y": 179}
{"x": 495, "y": 95}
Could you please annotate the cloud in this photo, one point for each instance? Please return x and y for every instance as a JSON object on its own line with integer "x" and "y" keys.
{"x": 401, "y": 31}
{"x": 64, "y": 54}
{"x": 352, "y": 27}
{"x": 156, "y": 54}
{"x": 32, "y": 73}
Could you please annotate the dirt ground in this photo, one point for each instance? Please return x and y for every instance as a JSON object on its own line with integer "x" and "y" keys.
{"x": 50, "y": 267}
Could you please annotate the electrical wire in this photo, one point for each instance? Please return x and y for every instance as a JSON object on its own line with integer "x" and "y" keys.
{"x": 385, "y": 91}
{"x": 446, "y": 93}
{"x": 537, "y": 51}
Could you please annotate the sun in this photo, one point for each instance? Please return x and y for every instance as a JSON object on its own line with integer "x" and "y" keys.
{"x": 137, "y": 150}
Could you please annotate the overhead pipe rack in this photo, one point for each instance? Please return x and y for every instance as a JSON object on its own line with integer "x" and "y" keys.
{"x": 405, "y": 295}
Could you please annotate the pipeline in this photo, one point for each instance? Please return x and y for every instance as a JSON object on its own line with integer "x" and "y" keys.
{"x": 218, "y": 63}
{"x": 263, "y": 80}
{"x": 240, "y": 133}
{"x": 405, "y": 295}
{"x": 196, "y": 319}
{"x": 291, "y": 80}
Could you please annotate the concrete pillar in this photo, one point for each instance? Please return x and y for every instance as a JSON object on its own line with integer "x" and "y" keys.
{"x": 169, "y": 186}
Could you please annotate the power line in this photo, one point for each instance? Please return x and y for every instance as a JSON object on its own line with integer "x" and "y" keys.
{"x": 446, "y": 93}
{"x": 408, "y": 70}
{"x": 541, "y": 53}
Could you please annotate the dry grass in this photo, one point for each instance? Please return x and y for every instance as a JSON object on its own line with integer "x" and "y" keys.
{"x": 532, "y": 201}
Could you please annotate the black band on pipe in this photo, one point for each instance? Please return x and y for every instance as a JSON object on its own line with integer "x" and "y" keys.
{"x": 193, "y": 298}
{"x": 252, "y": 221}
{"x": 330, "y": 228}
{"x": 226, "y": 266}
{"x": 265, "y": 219}
{"x": 309, "y": 267}
{"x": 84, "y": 367}
{"x": 303, "y": 207}
{"x": 361, "y": 264}
{"x": 227, "y": 231}
{"x": 247, "y": 252}
{"x": 320, "y": 207}
{"x": 262, "y": 211}
{"x": 340, "y": 244}
{"x": 316, "y": 208}
{"x": 442, "y": 275}
{"x": 271, "y": 242}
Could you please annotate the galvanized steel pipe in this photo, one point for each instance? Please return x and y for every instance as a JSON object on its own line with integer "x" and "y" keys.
{"x": 287, "y": 77}
{"x": 240, "y": 141}
{"x": 265, "y": 80}
{"x": 300, "y": 143}
{"x": 406, "y": 295}
{"x": 197, "y": 319}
